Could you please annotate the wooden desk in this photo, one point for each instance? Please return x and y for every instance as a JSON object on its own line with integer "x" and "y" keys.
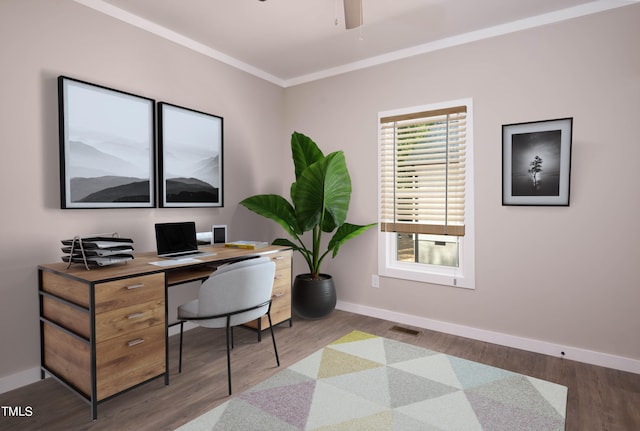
{"x": 105, "y": 330}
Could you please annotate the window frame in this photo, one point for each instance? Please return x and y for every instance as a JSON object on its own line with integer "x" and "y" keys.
{"x": 462, "y": 276}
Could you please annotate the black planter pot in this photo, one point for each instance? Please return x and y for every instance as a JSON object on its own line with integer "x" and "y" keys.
{"x": 313, "y": 298}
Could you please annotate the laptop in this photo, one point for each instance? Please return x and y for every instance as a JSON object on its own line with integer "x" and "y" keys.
{"x": 178, "y": 240}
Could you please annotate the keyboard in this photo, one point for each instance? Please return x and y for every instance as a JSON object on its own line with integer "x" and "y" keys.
{"x": 188, "y": 254}
{"x": 185, "y": 254}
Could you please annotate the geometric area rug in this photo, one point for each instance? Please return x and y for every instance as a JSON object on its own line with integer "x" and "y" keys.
{"x": 364, "y": 382}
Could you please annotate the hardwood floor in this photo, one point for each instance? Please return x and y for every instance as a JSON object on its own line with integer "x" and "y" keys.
{"x": 599, "y": 399}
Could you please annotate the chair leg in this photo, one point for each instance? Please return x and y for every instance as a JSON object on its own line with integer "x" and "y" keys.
{"x": 228, "y": 356}
{"x": 273, "y": 338}
{"x": 180, "y": 360}
{"x": 259, "y": 330}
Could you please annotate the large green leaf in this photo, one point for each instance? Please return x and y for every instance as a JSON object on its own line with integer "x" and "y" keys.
{"x": 276, "y": 208}
{"x": 337, "y": 188}
{"x": 304, "y": 152}
{"x": 345, "y": 232}
{"x": 323, "y": 186}
{"x": 296, "y": 247}
{"x": 328, "y": 223}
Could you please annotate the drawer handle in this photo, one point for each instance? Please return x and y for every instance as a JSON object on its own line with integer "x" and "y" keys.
{"x": 278, "y": 277}
{"x": 277, "y": 258}
{"x": 135, "y": 286}
{"x": 135, "y": 342}
{"x": 134, "y": 315}
{"x": 278, "y": 295}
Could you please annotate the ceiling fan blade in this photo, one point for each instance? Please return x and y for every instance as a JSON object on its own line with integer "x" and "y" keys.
{"x": 352, "y": 13}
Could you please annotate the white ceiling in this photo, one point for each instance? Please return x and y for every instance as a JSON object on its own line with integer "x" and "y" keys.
{"x": 292, "y": 41}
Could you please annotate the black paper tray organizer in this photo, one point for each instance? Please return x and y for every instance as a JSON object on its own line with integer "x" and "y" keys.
{"x": 97, "y": 249}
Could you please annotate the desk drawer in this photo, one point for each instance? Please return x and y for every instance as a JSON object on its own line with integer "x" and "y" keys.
{"x": 72, "y": 318}
{"x": 280, "y": 311}
{"x": 282, "y": 259}
{"x": 73, "y": 291}
{"x": 124, "y": 320}
{"x": 128, "y": 291}
{"x": 125, "y": 361}
{"x": 280, "y": 306}
{"x": 281, "y": 293}
{"x": 282, "y": 279}
{"x": 68, "y": 357}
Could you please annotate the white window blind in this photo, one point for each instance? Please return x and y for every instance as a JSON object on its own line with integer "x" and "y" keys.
{"x": 422, "y": 172}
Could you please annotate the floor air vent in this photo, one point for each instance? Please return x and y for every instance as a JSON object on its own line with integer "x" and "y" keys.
{"x": 405, "y": 330}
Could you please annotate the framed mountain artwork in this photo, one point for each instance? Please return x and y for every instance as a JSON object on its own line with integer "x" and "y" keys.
{"x": 107, "y": 147}
{"x": 190, "y": 157}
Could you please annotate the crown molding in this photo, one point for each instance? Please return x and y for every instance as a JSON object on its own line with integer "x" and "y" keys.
{"x": 486, "y": 33}
{"x": 165, "y": 33}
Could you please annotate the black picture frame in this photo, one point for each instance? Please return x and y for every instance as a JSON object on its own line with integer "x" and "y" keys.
{"x": 107, "y": 147}
{"x": 536, "y": 162}
{"x": 190, "y": 158}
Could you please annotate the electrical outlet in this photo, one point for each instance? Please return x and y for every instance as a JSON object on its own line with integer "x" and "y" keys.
{"x": 375, "y": 280}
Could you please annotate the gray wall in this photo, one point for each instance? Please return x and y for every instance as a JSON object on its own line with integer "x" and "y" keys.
{"x": 563, "y": 275}
{"x": 40, "y": 40}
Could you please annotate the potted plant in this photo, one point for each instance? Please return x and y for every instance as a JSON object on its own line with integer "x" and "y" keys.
{"x": 319, "y": 203}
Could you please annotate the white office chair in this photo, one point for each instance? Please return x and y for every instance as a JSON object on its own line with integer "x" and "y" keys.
{"x": 234, "y": 294}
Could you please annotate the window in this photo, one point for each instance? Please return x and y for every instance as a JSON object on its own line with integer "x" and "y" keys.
{"x": 426, "y": 194}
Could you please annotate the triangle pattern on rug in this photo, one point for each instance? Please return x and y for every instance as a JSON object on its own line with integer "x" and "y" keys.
{"x": 353, "y": 336}
{"x": 404, "y": 422}
{"x": 556, "y": 395}
{"x": 396, "y": 351}
{"x": 335, "y": 363}
{"x": 239, "y": 415}
{"x": 286, "y": 377}
{"x": 499, "y": 416}
{"x": 471, "y": 374}
{"x": 382, "y": 421}
{"x": 451, "y": 412}
{"x": 372, "y": 385}
{"x": 370, "y": 348}
{"x": 369, "y": 383}
{"x": 310, "y": 365}
{"x": 517, "y": 392}
{"x": 332, "y": 405}
{"x": 435, "y": 367}
{"x": 517, "y": 398}
{"x": 290, "y": 404}
{"x": 407, "y": 388}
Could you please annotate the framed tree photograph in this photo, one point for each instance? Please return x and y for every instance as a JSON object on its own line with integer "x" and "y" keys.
{"x": 107, "y": 147}
{"x": 190, "y": 157}
{"x": 536, "y": 162}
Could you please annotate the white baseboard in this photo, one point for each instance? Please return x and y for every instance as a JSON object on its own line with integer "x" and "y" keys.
{"x": 32, "y": 375}
{"x": 528, "y": 344}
